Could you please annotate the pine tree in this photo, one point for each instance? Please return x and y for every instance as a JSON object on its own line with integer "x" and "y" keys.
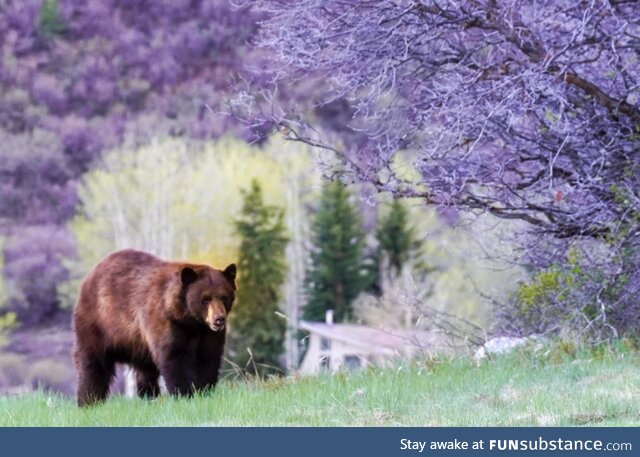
{"x": 255, "y": 326}
{"x": 396, "y": 237}
{"x": 336, "y": 274}
{"x": 50, "y": 21}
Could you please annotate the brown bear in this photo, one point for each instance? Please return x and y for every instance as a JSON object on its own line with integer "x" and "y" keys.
{"x": 162, "y": 318}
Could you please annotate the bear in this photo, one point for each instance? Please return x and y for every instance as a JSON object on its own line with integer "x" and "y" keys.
{"x": 162, "y": 318}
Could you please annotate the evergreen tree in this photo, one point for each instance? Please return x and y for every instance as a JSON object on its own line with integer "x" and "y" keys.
{"x": 50, "y": 21}
{"x": 336, "y": 274}
{"x": 262, "y": 272}
{"x": 396, "y": 237}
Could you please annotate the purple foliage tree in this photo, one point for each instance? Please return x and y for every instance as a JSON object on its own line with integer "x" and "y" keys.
{"x": 75, "y": 78}
{"x": 34, "y": 269}
{"x": 524, "y": 110}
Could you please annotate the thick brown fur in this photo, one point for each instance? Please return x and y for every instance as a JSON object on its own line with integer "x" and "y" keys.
{"x": 162, "y": 318}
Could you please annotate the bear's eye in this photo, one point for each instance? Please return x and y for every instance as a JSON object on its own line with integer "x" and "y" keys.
{"x": 206, "y": 300}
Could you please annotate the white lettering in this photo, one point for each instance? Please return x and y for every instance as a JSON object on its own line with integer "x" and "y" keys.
{"x": 412, "y": 445}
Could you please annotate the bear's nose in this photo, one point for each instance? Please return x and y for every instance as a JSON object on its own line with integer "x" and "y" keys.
{"x": 219, "y": 321}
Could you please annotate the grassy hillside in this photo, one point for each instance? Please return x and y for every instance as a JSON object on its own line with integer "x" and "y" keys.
{"x": 550, "y": 387}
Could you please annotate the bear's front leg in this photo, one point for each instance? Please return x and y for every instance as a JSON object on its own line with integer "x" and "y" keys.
{"x": 208, "y": 358}
{"x": 147, "y": 381}
{"x": 176, "y": 367}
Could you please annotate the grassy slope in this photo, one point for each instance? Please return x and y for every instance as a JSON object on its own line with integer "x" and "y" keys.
{"x": 550, "y": 388}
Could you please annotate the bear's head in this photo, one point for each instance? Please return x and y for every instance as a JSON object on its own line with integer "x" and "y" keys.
{"x": 209, "y": 293}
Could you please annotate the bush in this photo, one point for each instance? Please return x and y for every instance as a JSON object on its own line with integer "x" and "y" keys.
{"x": 33, "y": 269}
{"x": 576, "y": 298}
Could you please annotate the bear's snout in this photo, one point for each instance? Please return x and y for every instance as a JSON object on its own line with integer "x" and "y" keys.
{"x": 215, "y": 318}
{"x": 218, "y": 323}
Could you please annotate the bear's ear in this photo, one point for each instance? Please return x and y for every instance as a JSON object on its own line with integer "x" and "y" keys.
{"x": 188, "y": 275}
{"x": 230, "y": 273}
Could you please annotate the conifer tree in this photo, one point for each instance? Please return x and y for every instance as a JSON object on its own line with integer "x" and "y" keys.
{"x": 336, "y": 274}
{"x": 256, "y": 340}
{"x": 396, "y": 237}
{"x": 50, "y": 21}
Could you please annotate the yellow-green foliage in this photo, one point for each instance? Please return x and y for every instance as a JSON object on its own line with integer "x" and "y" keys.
{"x": 551, "y": 284}
{"x": 543, "y": 286}
{"x": 178, "y": 198}
{"x": 7, "y": 320}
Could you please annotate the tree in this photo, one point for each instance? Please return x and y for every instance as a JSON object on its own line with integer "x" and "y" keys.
{"x": 336, "y": 274}
{"x": 498, "y": 92}
{"x": 522, "y": 110}
{"x": 49, "y": 21}
{"x": 256, "y": 340}
{"x": 396, "y": 237}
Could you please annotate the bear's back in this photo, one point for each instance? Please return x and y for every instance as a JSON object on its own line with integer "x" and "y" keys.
{"x": 122, "y": 274}
{"x": 127, "y": 259}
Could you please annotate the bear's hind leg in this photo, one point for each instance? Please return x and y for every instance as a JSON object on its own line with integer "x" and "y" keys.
{"x": 94, "y": 376}
{"x": 147, "y": 381}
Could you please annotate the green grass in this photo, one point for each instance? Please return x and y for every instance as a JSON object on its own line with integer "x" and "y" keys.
{"x": 553, "y": 386}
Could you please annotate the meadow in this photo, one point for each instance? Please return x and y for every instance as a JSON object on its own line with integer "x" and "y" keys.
{"x": 550, "y": 386}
